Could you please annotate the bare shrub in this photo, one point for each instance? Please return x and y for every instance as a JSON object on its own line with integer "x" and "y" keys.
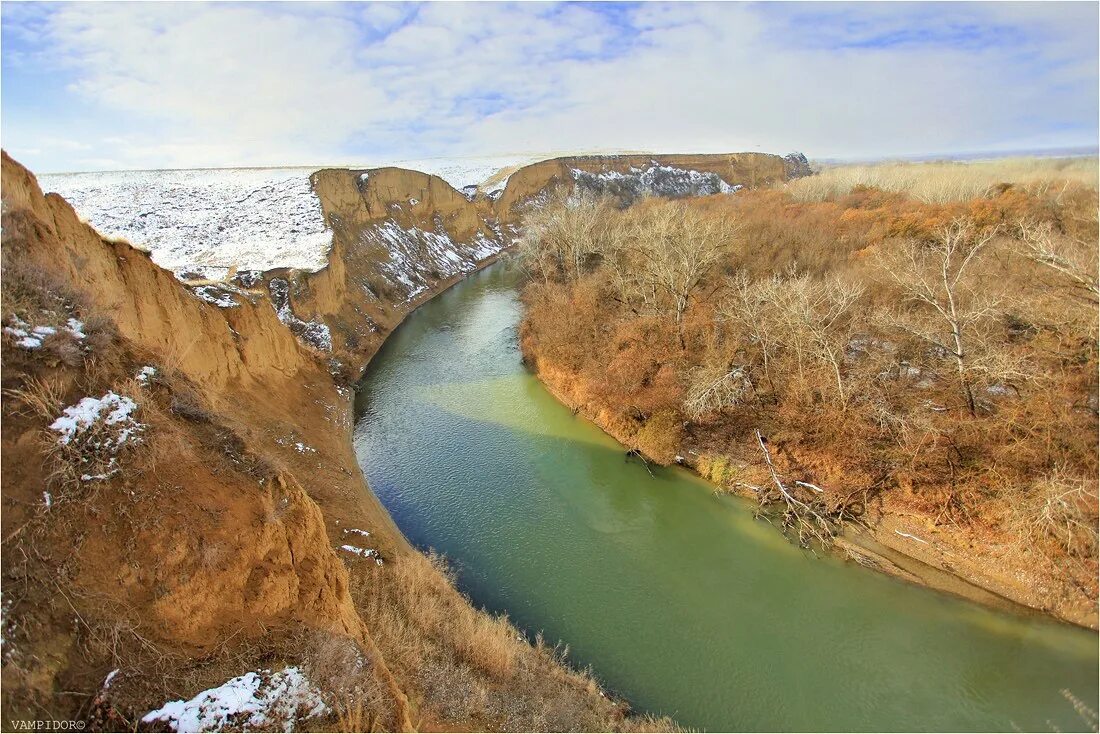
{"x": 713, "y": 388}
{"x": 89, "y": 440}
{"x": 1073, "y": 260}
{"x": 670, "y": 249}
{"x": 337, "y": 665}
{"x": 559, "y": 240}
{"x": 1058, "y": 510}
{"x": 659, "y": 438}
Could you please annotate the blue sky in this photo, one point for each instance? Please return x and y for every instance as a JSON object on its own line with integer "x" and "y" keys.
{"x": 89, "y": 86}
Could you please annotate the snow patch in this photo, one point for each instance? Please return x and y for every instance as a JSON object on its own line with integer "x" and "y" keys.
{"x": 8, "y": 627}
{"x": 145, "y": 374}
{"x": 314, "y": 333}
{"x": 655, "y": 180}
{"x": 255, "y": 700}
{"x": 101, "y": 427}
{"x": 31, "y": 337}
{"x": 363, "y": 552}
{"x": 418, "y": 257}
{"x": 214, "y": 295}
{"x": 112, "y": 409}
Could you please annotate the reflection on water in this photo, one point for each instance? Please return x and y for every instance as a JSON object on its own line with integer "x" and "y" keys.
{"x": 679, "y": 600}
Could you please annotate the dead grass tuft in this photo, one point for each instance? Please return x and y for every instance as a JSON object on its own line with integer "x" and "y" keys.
{"x": 41, "y": 396}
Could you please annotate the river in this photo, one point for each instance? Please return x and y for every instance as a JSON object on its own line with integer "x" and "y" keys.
{"x": 678, "y": 599}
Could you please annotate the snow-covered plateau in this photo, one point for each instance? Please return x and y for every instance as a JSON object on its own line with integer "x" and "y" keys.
{"x": 200, "y": 223}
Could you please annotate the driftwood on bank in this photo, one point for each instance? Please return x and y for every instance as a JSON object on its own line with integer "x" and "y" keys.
{"x": 808, "y": 520}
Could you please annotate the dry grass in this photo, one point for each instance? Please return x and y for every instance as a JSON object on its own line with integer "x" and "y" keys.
{"x": 338, "y": 666}
{"x": 40, "y": 396}
{"x": 467, "y": 669}
{"x": 98, "y": 451}
{"x": 422, "y": 605}
{"x": 942, "y": 182}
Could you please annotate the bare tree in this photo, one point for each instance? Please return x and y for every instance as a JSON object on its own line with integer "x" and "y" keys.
{"x": 819, "y": 319}
{"x": 712, "y": 388}
{"x": 558, "y": 239}
{"x": 806, "y": 517}
{"x": 672, "y": 249}
{"x": 751, "y": 308}
{"x": 1074, "y": 260}
{"x": 936, "y": 276}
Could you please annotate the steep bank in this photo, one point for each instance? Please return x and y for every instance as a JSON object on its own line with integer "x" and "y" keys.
{"x": 219, "y": 523}
{"x": 210, "y": 527}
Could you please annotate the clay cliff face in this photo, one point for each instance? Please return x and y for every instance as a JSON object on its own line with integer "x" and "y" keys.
{"x": 217, "y": 346}
{"x": 397, "y": 236}
{"x": 212, "y": 528}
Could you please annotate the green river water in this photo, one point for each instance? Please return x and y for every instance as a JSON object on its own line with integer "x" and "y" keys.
{"x": 678, "y": 599}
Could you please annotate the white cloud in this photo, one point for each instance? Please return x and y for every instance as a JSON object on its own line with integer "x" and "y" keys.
{"x": 201, "y": 85}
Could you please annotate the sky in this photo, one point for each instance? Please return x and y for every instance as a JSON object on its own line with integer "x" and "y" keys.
{"x": 91, "y": 86}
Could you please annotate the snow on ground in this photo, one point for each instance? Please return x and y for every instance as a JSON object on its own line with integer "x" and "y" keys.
{"x": 199, "y": 223}
{"x": 363, "y": 552}
{"x": 255, "y": 700}
{"x": 419, "y": 257}
{"x": 314, "y": 333}
{"x": 7, "y": 628}
{"x": 205, "y": 221}
{"x": 112, "y": 409}
{"x": 99, "y": 428}
{"x": 215, "y": 296}
{"x": 145, "y": 374}
{"x": 655, "y": 180}
{"x": 31, "y": 337}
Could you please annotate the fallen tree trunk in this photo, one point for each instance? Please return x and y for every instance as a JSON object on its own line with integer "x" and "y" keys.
{"x": 807, "y": 520}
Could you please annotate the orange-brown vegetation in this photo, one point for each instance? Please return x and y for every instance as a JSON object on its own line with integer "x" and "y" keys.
{"x": 934, "y": 361}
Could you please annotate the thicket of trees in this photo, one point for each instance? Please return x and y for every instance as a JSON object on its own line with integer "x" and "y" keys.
{"x": 843, "y": 349}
